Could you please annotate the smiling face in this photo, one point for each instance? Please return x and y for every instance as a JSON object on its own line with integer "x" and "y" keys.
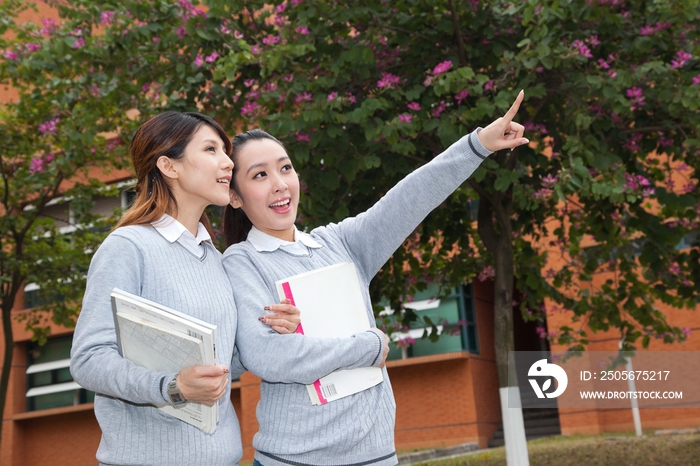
{"x": 266, "y": 188}
{"x": 201, "y": 177}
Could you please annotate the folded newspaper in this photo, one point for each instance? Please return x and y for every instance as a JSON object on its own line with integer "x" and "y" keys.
{"x": 162, "y": 339}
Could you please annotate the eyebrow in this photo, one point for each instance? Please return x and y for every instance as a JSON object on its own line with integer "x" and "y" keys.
{"x": 211, "y": 141}
{"x": 262, "y": 164}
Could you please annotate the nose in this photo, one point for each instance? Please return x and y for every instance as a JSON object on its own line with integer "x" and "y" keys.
{"x": 226, "y": 162}
{"x": 279, "y": 184}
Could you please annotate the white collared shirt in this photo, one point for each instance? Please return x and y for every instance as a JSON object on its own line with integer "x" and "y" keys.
{"x": 262, "y": 242}
{"x": 173, "y": 231}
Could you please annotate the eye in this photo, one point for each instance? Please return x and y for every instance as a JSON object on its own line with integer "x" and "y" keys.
{"x": 259, "y": 175}
{"x": 211, "y": 148}
{"x": 287, "y": 167}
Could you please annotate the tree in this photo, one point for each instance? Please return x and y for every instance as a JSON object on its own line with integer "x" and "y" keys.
{"x": 53, "y": 133}
{"x": 364, "y": 92}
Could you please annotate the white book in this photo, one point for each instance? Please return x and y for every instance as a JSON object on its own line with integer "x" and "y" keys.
{"x": 331, "y": 304}
{"x": 162, "y": 339}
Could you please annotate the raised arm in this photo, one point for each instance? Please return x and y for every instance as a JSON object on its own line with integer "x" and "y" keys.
{"x": 373, "y": 236}
{"x": 291, "y": 358}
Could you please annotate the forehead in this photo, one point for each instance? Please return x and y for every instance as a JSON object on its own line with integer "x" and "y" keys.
{"x": 206, "y": 133}
{"x": 260, "y": 151}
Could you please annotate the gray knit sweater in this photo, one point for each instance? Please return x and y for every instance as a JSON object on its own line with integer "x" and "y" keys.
{"x": 359, "y": 429}
{"x": 139, "y": 260}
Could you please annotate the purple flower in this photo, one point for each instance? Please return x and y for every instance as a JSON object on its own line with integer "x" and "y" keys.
{"x": 296, "y": 2}
{"x": 437, "y": 111}
{"x": 31, "y": 47}
{"x": 388, "y": 80}
{"x": 415, "y": 106}
{"x": 696, "y": 80}
{"x": 489, "y": 85}
{"x": 225, "y": 29}
{"x": 212, "y": 58}
{"x": 541, "y": 332}
{"x": 107, "y": 18}
{"x": 302, "y": 137}
{"x": 582, "y": 48}
{"x": 249, "y": 108}
{"x": 280, "y": 8}
{"x": 181, "y": 32}
{"x": 49, "y": 27}
{"x": 486, "y": 273}
{"x": 270, "y": 40}
{"x": 289, "y": 78}
{"x": 461, "y": 95}
{"x": 79, "y": 43}
{"x": 442, "y": 67}
{"x": 303, "y": 30}
{"x": 351, "y": 98}
{"x": 36, "y": 165}
{"x": 255, "y": 50}
{"x": 49, "y": 127}
{"x": 303, "y": 97}
{"x": 549, "y": 181}
{"x": 198, "y": 61}
{"x": 593, "y": 40}
{"x": 10, "y": 55}
{"x": 681, "y": 59}
{"x": 689, "y": 187}
{"x": 405, "y": 117}
{"x": 332, "y": 96}
{"x": 238, "y": 34}
{"x": 636, "y": 97}
{"x": 685, "y": 331}
{"x": 249, "y": 82}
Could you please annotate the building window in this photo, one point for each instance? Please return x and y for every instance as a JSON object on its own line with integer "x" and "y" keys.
{"x": 49, "y": 382}
{"x": 456, "y": 309}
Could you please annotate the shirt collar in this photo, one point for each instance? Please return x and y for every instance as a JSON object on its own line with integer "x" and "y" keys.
{"x": 171, "y": 229}
{"x": 263, "y": 242}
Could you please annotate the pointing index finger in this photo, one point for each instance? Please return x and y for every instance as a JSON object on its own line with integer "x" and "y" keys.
{"x": 513, "y": 110}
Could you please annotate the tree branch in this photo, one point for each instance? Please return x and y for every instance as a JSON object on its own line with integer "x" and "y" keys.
{"x": 461, "y": 51}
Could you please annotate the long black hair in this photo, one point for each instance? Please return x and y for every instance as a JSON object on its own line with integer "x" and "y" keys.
{"x": 236, "y": 224}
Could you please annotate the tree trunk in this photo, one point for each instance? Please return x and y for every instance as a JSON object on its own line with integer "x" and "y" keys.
{"x": 500, "y": 244}
{"x": 7, "y": 357}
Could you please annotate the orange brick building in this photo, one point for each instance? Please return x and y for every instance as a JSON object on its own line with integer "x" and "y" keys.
{"x": 446, "y": 393}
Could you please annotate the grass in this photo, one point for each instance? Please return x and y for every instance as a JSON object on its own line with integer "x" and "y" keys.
{"x": 595, "y": 450}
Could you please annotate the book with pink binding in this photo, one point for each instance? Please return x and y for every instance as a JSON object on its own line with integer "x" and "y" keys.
{"x": 331, "y": 304}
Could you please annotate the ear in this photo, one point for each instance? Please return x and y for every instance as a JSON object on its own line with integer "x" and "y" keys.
{"x": 167, "y": 167}
{"x": 234, "y": 199}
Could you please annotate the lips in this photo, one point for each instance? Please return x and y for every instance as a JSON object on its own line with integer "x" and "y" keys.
{"x": 281, "y": 206}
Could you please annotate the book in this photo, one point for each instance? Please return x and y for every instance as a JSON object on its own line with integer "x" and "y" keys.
{"x": 332, "y": 305}
{"x": 165, "y": 340}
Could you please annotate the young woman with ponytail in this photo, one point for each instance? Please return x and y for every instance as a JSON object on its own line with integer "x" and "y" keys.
{"x": 265, "y": 246}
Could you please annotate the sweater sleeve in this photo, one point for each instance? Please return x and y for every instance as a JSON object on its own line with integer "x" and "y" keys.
{"x": 291, "y": 358}
{"x": 95, "y": 360}
{"x": 373, "y": 236}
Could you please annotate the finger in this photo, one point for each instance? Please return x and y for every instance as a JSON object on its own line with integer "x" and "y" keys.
{"x": 211, "y": 371}
{"x": 285, "y": 308}
{"x": 282, "y": 323}
{"x": 513, "y": 110}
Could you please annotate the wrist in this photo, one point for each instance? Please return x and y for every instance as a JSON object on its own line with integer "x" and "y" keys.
{"x": 174, "y": 394}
